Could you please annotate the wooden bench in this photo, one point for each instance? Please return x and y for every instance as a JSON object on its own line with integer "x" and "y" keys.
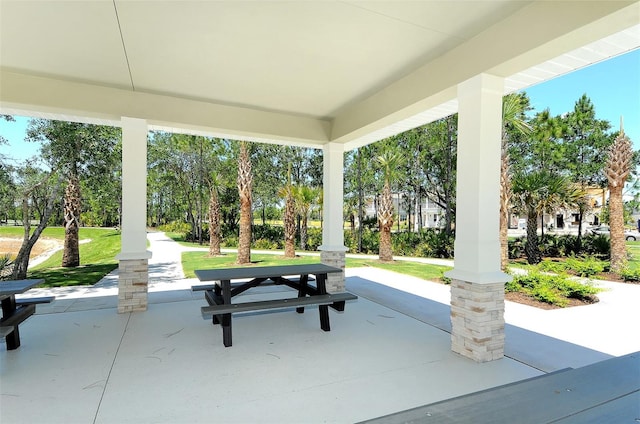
{"x": 24, "y": 309}
{"x": 10, "y": 325}
{"x": 269, "y": 282}
{"x": 336, "y": 301}
{"x": 15, "y": 311}
{"x": 230, "y": 282}
{"x": 35, "y": 300}
{"x": 5, "y": 331}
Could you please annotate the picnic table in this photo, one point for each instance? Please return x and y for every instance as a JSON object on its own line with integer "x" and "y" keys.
{"x": 15, "y": 311}
{"x": 220, "y": 293}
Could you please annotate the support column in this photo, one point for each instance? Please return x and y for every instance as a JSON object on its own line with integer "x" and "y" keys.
{"x": 477, "y": 287}
{"x": 332, "y": 248}
{"x": 133, "y": 273}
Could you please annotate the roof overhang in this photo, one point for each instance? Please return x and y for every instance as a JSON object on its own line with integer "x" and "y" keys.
{"x": 526, "y": 43}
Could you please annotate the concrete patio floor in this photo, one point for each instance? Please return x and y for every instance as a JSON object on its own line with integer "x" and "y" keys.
{"x": 81, "y": 362}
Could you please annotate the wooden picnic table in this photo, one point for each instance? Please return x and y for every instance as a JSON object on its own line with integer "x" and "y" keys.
{"x": 219, "y": 294}
{"x": 15, "y": 311}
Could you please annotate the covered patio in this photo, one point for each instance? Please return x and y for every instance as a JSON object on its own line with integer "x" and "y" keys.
{"x": 327, "y": 75}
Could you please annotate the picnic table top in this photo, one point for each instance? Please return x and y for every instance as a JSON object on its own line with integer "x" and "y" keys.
{"x": 263, "y": 271}
{"x": 10, "y": 287}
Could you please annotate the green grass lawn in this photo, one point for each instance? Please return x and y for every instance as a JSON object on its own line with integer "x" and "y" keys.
{"x": 634, "y": 254}
{"x": 199, "y": 260}
{"x": 97, "y": 257}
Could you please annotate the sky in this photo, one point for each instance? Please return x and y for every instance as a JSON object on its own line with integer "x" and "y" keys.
{"x": 612, "y": 85}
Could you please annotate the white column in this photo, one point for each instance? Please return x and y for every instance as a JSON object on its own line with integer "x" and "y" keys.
{"x": 477, "y": 244}
{"x": 477, "y": 290}
{"x": 133, "y": 273}
{"x": 333, "y": 249}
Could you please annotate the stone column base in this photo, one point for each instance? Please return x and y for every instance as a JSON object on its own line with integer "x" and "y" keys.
{"x": 335, "y": 281}
{"x": 477, "y": 320}
{"x": 133, "y": 279}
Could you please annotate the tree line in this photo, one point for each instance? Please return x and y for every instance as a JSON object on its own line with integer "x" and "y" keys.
{"x": 199, "y": 185}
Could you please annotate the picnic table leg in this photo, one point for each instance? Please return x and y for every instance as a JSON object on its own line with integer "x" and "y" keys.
{"x": 324, "y": 309}
{"x": 226, "y": 318}
{"x": 8, "y": 309}
{"x": 302, "y": 290}
{"x": 217, "y": 296}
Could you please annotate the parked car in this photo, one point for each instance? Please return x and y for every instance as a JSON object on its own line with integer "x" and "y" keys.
{"x": 604, "y": 230}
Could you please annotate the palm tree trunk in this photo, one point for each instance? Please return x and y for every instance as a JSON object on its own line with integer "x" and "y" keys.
{"x": 214, "y": 224}
{"x": 385, "y": 219}
{"x": 244, "y": 190}
{"x": 303, "y": 232}
{"x": 505, "y": 195}
{"x": 504, "y": 240}
{"x": 71, "y": 253}
{"x": 618, "y": 167}
{"x": 616, "y": 221}
{"x": 290, "y": 226}
{"x": 531, "y": 247}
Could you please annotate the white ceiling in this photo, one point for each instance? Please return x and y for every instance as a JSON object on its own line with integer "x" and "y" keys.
{"x": 306, "y": 72}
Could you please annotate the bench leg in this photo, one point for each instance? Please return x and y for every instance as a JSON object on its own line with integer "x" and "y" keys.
{"x": 226, "y": 318}
{"x": 324, "y": 317}
{"x": 324, "y": 309}
{"x": 8, "y": 310}
{"x": 302, "y": 290}
{"x": 338, "y": 306}
{"x": 226, "y": 330}
{"x": 13, "y": 339}
{"x": 214, "y": 298}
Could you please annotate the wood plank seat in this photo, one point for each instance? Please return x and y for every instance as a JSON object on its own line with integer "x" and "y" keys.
{"x": 603, "y": 392}
{"x": 35, "y": 300}
{"x": 22, "y": 312}
{"x": 336, "y": 300}
{"x": 5, "y": 331}
{"x": 204, "y": 287}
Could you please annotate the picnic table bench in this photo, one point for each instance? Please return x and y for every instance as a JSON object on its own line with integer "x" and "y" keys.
{"x": 219, "y": 294}
{"x": 15, "y": 311}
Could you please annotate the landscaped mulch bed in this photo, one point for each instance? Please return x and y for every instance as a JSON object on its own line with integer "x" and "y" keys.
{"x": 524, "y": 299}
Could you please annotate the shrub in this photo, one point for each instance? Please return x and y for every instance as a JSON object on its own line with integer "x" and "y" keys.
{"x": 586, "y": 266}
{"x": 556, "y": 267}
{"x": 175, "y": 227}
{"x": 314, "y": 238}
{"x": 6, "y": 266}
{"x": 267, "y": 232}
{"x": 596, "y": 244}
{"x": 516, "y": 247}
{"x": 552, "y": 289}
{"x": 229, "y": 241}
{"x": 265, "y": 244}
{"x": 551, "y": 245}
{"x": 630, "y": 275}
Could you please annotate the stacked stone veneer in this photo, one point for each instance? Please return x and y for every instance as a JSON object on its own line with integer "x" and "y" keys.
{"x": 335, "y": 282}
{"x": 477, "y": 320}
{"x": 133, "y": 281}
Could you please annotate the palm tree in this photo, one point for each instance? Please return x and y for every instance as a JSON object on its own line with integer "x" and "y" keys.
{"x": 215, "y": 227}
{"x": 389, "y": 162}
{"x": 535, "y": 193}
{"x": 514, "y": 107}
{"x": 245, "y": 180}
{"x": 617, "y": 170}
{"x": 289, "y": 218}
{"x": 305, "y": 198}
